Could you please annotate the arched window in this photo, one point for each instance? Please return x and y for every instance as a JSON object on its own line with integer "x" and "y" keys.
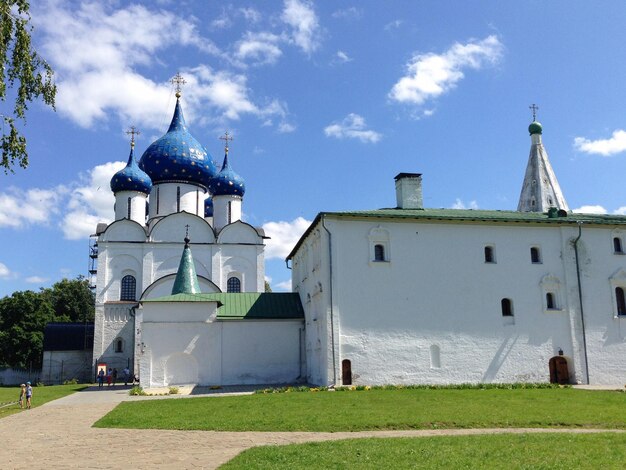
{"x": 617, "y": 245}
{"x": 507, "y": 308}
{"x": 621, "y": 301}
{"x": 550, "y": 304}
{"x": 379, "y": 253}
{"x": 178, "y": 199}
{"x": 535, "y": 255}
{"x": 129, "y": 288}
{"x": 157, "y": 196}
{"x": 230, "y": 211}
{"x": 233, "y": 285}
{"x": 489, "y": 258}
{"x": 128, "y": 207}
{"x": 118, "y": 345}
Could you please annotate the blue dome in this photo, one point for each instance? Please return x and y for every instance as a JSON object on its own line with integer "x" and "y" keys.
{"x": 131, "y": 178}
{"x": 208, "y": 207}
{"x": 227, "y": 182}
{"x": 178, "y": 156}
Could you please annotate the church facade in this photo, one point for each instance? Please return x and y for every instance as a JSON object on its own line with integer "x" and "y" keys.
{"x": 410, "y": 295}
{"x": 215, "y": 325}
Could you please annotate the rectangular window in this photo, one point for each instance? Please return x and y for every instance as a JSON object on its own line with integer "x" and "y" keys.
{"x": 490, "y": 254}
{"x": 535, "y": 255}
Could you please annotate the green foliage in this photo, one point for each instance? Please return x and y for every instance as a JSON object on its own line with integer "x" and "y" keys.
{"x": 136, "y": 390}
{"x": 73, "y": 381}
{"x": 523, "y": 451}
{"x": 174, "y": 391}
{"x": 378, "y": 410}
{"x": 23, "y": 70}
{"x": 268, "y": 288}
{"x": 24, "y": 314}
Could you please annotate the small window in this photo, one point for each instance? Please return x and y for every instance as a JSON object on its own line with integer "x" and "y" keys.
{"x": 535, "y": 255}
{"x": 379, "y": 253}
{"x": 489, "y": 255}
{"x": 230, "y": 211}
{"x": 178, "y": 199}
{"x": 621, "y": 301}
{"x": 129, "y": 288}
{"x": 118, "y": 345}
{"x": 233, "y": 285}
{"x": 507, "y": 308}
{"x": 157, "y": 197}
{"x": 128, "y": 202}
{"x": 617, "y": 245}
{"x": 550, "y": 304}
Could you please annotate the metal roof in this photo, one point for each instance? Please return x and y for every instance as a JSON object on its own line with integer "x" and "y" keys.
{"x": 245, "y": 305}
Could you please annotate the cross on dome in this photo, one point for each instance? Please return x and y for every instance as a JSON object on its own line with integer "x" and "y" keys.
{"x": 534, "y": 109}
{"x": 178, "y": 81}
{"x": 132, "y": 132}
{"x": 226, "y": 137}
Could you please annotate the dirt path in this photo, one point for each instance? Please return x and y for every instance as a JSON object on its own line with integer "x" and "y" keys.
{"x": 59, "y": 435}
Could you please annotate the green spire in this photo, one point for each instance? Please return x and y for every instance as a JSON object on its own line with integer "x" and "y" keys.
{"x": 186, "y": 279}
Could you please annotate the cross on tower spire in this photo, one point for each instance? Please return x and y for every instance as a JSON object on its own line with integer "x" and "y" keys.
{"x": 178, "y": 81}
{"x": 132, "y": 132}
{"x": 534, "y": 109}
{"x": 187, "y": 240}
{"x": 226, "y": 137}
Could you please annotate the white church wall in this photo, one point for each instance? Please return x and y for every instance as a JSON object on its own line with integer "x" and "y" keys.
{"x": 114, "y": 322}
{"x": 240, "y": 261}
{"x": 124, "y": 231}
{"x": 173, "y": 228}
{"x": 122, "y": 259}
{"x": 239, "y": 232}
{"x": 170, "y": 198}
{"x": 137, "y": 202}
{"x": 163, "y": 287}
{"x": 261, "y": 352}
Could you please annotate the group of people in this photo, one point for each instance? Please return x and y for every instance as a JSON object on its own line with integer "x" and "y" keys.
{"x": 111, "y": 377}
{"x": 26, "y": 394}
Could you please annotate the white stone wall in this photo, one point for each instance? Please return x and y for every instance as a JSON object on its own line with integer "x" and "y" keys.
{"x": 181, "y": 343}
{"x": 432, "y": 312}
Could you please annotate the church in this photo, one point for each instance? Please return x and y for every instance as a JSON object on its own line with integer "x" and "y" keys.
{"x": 400, "y": 295}
{"x": 180, "y": 279}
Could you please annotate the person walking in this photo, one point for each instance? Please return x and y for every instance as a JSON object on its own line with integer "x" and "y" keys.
{"x": 22, "y": 395}
{"x": 100, "y": 378}
{"x": 109, "y": 377}
{"x": 114, "y": 376}
{"x": 29, "y": 395}
{"x": 126, "y": 373}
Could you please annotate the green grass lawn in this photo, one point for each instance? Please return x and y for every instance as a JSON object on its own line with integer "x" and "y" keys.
{"x": 513, "y": 451}
{"x": 378, "y": 409}
{"x": 41, "y": 395}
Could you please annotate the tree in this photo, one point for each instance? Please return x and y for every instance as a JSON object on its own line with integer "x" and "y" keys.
{"x": 268, "y": 288}
{"x": 22, "y": 69}
{"x": 23, "y": 316}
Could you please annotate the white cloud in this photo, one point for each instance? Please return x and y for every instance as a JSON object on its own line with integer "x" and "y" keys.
{"x": 34, "y": 206}
{"x": 620, "y": 211}
{"x": 36, "y": 279}
{"x": 431, "y": 75}
{"x": 251, "y": 14}
{"x": 284, "y": 286}
{"x": 590, "y": 209}
{"x": 352, "y": 127}
{"x": 260, "y": 48}
{"x": 285, "y": 128}
{"x": 349, "y": 13}
{"x": 393, "y": 25}
{"x": 343, "y": 57}
{"x": 299, "y": 14}
{"x": 90, "y": 202}
{"x": 222, "y": 22}
{"x": 284, "y": 236}
{"x": 5, "y": 272}
{"x": 604, "y": 147}
{"x": 459, "y": 204}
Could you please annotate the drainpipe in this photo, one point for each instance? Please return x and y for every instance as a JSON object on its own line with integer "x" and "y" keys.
{"x": 330, "y": 287}
{"x": 580, "y": 299}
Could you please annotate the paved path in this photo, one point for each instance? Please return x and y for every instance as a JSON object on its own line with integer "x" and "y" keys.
{"x": 59, "y": 435}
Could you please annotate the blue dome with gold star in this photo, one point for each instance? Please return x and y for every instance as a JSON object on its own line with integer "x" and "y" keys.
{"x": 131, "y": 177}
{"x": 227, "y": 182}
{"x": 178, "y": 156}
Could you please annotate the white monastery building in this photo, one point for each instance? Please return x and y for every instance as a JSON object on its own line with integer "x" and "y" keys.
{"x": 410, "y": 295}
{"x": 401, "y": 295}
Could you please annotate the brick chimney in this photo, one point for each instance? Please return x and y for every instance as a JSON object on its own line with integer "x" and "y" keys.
{"x": 409, "y": 191}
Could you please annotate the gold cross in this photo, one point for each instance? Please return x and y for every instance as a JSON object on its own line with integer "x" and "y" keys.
{"x": 226, "y": 137}
{"x": 178, "y": 81}
{"x": 534, "y": 108}
{"x": 132, "y": 132}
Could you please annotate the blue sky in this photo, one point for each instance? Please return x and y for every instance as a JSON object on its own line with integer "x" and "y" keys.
{"x": 327, "y": 102}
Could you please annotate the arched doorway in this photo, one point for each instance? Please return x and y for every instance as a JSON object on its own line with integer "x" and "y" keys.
{"x": 559, "y": 372}
{"x": 346, "y": 372}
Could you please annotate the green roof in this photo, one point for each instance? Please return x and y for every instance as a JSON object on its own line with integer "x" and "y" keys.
{"x": 469, "y": 215}
{"x": 245, "y": 305}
